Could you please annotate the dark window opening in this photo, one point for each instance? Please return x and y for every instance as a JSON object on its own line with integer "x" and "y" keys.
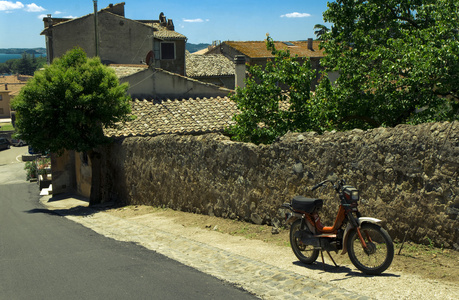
{"x": 167, "y": 51}
{"x": 84, "y": 158}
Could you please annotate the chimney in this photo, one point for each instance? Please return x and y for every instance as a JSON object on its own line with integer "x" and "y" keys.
{"x": 239, "y": 61}
{"x": 310, "y": 44}
{"x": 170, "y": 25}
{"x": 49, "y": 20}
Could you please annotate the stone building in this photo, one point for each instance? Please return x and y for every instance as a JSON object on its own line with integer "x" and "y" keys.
{"x": 255, "y": 53}
{"x": 216, "y": 69}
{"x": 117, "y": 39}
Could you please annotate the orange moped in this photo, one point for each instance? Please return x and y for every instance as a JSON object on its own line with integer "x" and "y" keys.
{"x": 369, "y": 246}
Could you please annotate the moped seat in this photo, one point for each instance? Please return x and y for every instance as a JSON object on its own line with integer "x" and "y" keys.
{"x": 308, "y": 205}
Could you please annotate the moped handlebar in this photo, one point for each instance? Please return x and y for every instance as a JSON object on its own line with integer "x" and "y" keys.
{"x": 338, "y": 186}
{"x": 319, "y": 185}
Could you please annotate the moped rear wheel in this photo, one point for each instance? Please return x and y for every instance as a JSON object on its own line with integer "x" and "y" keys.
{"x": 305, "y": 253}
{"x": 378, "y": 255}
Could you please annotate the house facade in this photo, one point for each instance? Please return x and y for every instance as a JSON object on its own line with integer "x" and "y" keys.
{"x": 255, "y": 53}
{"x": 147, "y": 82}
{"x": 10, "y": 86}
{"x": 117, "y": 39}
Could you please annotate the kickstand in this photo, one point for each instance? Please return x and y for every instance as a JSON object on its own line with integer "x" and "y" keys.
{"x": 322, "y": 255}
{"x": 330, "y": 258}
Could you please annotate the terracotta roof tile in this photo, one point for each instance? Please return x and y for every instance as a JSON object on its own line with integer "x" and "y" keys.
{"x": 187, "y": 116}
{"x": 163, "y": 33}
{"x": 14, "y": 83}
{"x": 257, "y": 49}
{"x": 208, "y": 65}
{"x": 124, "y": 70}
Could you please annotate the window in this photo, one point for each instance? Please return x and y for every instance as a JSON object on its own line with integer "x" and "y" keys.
{"x": 167, "y": 51}
{"x": 1, "y": 97}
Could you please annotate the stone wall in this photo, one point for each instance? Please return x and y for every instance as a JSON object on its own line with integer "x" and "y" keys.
{"x": 407, "y": 176}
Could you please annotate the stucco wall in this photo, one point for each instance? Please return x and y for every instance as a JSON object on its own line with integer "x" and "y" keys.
{"x": 176, "y": 65}
{"x": 5, "y": 105}
{"x": 78, "y": 33}
{"x": 63, "y": 172}
{"x": 121, "y": 40}
{"x": 152, "y": 83}
{"x": 408, "y": 175}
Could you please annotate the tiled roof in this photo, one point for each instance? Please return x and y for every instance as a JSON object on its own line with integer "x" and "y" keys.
{"x": 127, "y": 70}
{"x": 14, "y": 83}
{"x": 208, "y": 65}
{"x": 159, "y": 31}
{"x": 165, "y": 34}
{"x": 187, "y": 116}
{"x": 258, "y": 49}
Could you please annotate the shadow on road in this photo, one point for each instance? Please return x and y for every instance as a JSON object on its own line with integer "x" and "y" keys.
{"x": 340, "y": 270}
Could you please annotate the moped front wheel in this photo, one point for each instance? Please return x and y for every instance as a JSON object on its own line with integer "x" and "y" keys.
{"x": 377, "y": 256}
{"x": 305, "y": 253}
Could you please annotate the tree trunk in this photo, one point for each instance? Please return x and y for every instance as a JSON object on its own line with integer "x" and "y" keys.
{"x": 95, "y": 197}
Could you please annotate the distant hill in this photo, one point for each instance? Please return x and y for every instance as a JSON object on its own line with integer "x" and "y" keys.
{"x": 42, "y": 51}
{"x": 196, "y": 47}
{"x": 39, "y": 51}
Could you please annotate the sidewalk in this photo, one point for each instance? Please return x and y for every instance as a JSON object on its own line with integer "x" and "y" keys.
{"x": 5, "y": 120}
{"x": 263, "y": 280}
{"x": 266, "y": 270}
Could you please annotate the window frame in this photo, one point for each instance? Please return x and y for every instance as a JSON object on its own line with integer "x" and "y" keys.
{"x": 162, "y": 52}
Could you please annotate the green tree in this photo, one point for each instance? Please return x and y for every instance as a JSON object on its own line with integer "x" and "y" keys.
{"x": 275, "y": 99}
{"x": 67, "y": 105}
{"x": 25, "y": 65}
{"x": 398, "y": 62}
{"x": 320, "y": 31}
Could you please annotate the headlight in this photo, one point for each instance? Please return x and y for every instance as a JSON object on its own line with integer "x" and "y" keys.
{"x": 351, "y": 193}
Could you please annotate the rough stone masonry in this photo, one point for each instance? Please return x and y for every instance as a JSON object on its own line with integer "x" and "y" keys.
{"x": 407, "y": 176}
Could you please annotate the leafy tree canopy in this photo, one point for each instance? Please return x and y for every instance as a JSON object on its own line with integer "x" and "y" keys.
{"x": 66, "y": 106}
{"x": 275, "y": 99}
{"x": 320, "y": 30}
{"x": 398, "y": 63}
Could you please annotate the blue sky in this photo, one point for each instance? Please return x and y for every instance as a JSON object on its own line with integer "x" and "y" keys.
{"x": 201, "y": 21}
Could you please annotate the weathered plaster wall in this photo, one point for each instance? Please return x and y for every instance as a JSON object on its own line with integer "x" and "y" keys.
{"x": 163, "y": 84}
{"x": 83, "y": 174}
{"x": 408, "y": 175}
{"x": 63, "y": 172}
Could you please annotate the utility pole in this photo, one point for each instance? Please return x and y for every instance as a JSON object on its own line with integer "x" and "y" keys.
{"x": 96, "y": 36}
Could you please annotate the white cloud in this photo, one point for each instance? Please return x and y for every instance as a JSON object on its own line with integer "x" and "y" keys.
{"x": 8, "y": 5}
{"x": 194, "y": 20}
{"x": 57, "y": 12}
{"x": 296, "y": 15}
{"x": 69, "y": 17}
{"x": 34, "y": 8}
{"x": 42, "y": 16}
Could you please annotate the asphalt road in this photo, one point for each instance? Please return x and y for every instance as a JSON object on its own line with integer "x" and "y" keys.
{"x": 46, "y": 256}
{"x": 12, "y": 155}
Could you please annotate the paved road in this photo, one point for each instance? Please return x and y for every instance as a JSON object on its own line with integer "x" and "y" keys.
{"x": 12, "y": 155}
{"x": 46, "y": 256}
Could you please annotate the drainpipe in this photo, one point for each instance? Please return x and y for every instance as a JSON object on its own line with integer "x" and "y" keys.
{"x": 239, "y": 61}
{"x": 96, "y": 36}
